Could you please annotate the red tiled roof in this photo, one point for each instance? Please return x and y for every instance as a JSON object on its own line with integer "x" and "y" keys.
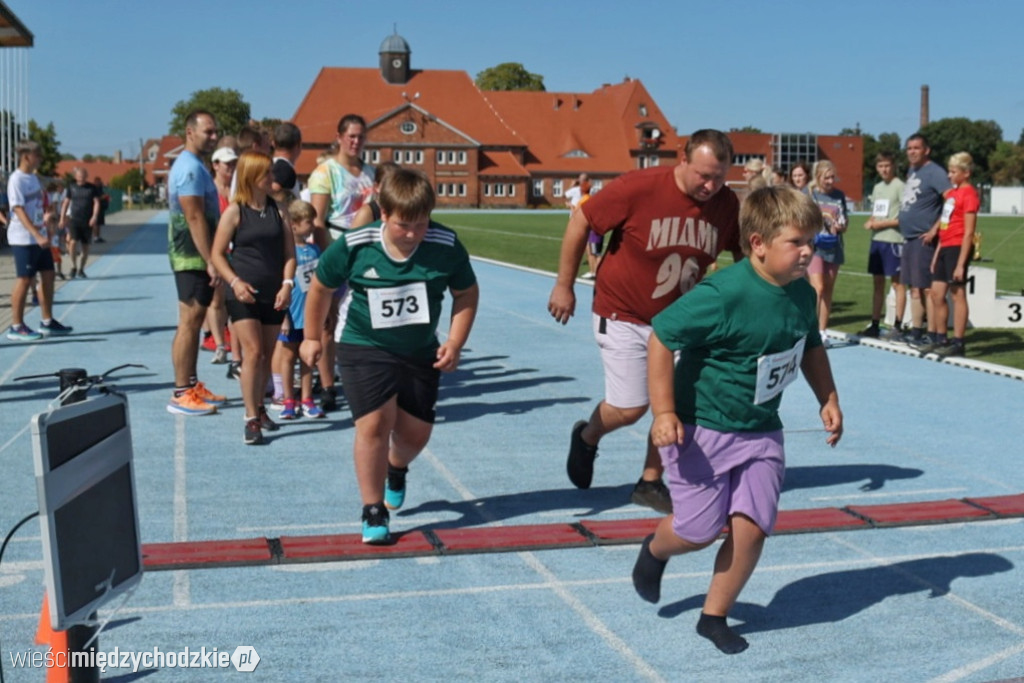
{"x": 493, "y": 163}
{"x": 104, "y": 169}
{"x": 451, "y": 96}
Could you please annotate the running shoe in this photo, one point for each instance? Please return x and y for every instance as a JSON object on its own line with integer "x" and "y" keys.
{"x": 208, "y": 396}
{"x": 189, "y": 403}
{"x": 288, "y": 411}
{"x": 375, "y": 525}
{"x": 22, "y": 332}
{"x": 580, "y": 464}
{"x": 253, "y": 433}
{"x": 277, "y": 403}
{"x": 220, "y": 356}
{"x": 652, "y": 494}
{"x": 74, "y": 273}
{"x": 54, "y": 327}
{"x": 952, "y": 350}
{"x": 872, "y": 331}
{"x": 266, "y": 422}
{"x": 329, "y": 399}
{"x": 209, "y": 344}
{"x": 394, "y": 488}
{"x": 311, "y": 409}
{"x": 234, "y": 369}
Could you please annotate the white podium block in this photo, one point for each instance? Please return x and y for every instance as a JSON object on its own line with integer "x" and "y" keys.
{"x": 985, "y": 309}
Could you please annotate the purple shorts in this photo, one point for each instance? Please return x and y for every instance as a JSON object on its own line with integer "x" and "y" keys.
{"x": 714, "y": 475}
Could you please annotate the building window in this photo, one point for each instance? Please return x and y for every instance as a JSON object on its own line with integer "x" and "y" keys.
{"x": 462, "y": 157}
{"x": 556, "y": 188}
{"x": 499, "y": 190}
{"x": 419, "y": 156}
{"x": 375, "y": 155}
{"x": 397, "y": 156}
{"x": 538, "y": 188}
{"x": 408, "y": 127}
{"x": 440, "y": 189}
{"x": 451, "y": 157}
{"x": 440, "y": 156}
{"x": 742, "y": 159}
{"x": 577, "y": 154}
{"x": 595, "y": 186}
{"x": 451, "y": 189}
{"x": 652, "y": 160}
{"x": 408, "y": 156}
{"x": 487, "y": 189}
{"x": 462, "y": 189}
{"x": 643, "y": 110}
{"x": 511, "y": 190}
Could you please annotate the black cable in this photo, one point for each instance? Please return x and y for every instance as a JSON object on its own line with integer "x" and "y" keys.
{"x": 3, "y": 547}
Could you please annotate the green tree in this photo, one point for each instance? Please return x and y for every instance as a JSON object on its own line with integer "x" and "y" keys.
{"x": 227, "y": 106}
{"x": 132, "y": 178}
{"x": 978, "y": 138}
{"x": 509, "y": 76}
{"x": 47, "y": 139}
{"x": 1006, "y": 164}
{"x": 886, "y": 142}
{"x": 746, "y": 129}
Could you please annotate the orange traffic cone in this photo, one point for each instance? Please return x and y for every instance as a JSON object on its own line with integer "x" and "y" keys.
{"x": 58, "y": 672}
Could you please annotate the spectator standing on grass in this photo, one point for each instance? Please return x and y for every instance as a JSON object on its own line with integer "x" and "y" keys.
{"x": 260, "y": 276}
{"x": 79, "y": 213}
{"x": 391, "y": 358}
{"x": 886, "y": 244}
{"x": 800, "y": 175}
{"x": 829, "y": 250}
{"x": 193, "y": 213}
{"x": 953, "y": 255}
{"x": 287, "y": 146}
{"x": 920, "y": 211}
{"x": 30, "y": 246}
{"x": 667, "y": 226}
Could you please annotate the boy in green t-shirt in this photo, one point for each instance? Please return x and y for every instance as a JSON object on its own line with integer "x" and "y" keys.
{"x": 398, "y": 271}
{"x": 740, "y": 335}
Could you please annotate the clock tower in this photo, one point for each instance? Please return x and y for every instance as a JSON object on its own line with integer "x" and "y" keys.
{"x": 394, "y": 59}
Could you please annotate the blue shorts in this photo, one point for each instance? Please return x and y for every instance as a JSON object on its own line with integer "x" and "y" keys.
{"x": 884, "y": 258}
{"x": 714, "y": 475}
{"x": 30, "y": 259}
{"x": 293, "y": 336}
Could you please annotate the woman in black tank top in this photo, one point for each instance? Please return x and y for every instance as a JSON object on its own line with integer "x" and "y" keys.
{"x": 260, "y": 275}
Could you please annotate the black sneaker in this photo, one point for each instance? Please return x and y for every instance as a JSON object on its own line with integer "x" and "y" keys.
{"x": 329, "y": 399}
{"x": 394, "y": 487}
{"x": 871, "y": 331}
{"x": 266, "y": 422}
{"x": 54, "y": 327}
{"x": 253, "y": 433}
{"x": 580, "y": 464}
{"x": 953, "y": 350}
{"x": 234, "y": 369}
{"x": 652, "y": 494}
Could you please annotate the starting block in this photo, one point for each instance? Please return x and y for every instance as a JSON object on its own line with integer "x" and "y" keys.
{"x": 985, "y": 308}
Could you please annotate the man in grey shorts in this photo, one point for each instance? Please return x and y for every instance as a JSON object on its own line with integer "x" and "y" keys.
{"x": 920, "y": 210}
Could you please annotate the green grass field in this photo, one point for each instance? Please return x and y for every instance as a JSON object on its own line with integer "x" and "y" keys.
{"x": 533, "y": 240}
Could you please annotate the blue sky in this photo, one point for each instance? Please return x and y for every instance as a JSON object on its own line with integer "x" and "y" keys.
{"x": 107, "y": 72}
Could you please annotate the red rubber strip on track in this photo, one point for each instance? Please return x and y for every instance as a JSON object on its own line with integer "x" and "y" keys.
{"x": 351, "y": 547}
{"x": 511, "y": 538}
{"x": 820, "y": 519}
{"x": 621, "y": 531}
{"x": 931, "y": 512}
{"x": 1009, "y": 506}
{"x": 194, "y": 554}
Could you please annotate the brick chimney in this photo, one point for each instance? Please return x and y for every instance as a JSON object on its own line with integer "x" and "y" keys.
{"x": 924, "y": 106}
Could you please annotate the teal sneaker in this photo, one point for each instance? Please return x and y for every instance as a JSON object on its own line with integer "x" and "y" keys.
{"x": 22, "y": 332}
{"x": 375, "y": 525}
{"x": 394, "y": 487}
{"x": 54, "y": 327}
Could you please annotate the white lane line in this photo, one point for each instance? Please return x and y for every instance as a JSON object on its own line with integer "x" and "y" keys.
{"x": 182, "y": 584}
{"x": 979, "y": 665}
{"x": 892, "y": 494}
{"x": 559, "y": 587}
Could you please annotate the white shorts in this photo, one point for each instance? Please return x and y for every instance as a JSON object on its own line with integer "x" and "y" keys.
{"x": 624, "y": 354}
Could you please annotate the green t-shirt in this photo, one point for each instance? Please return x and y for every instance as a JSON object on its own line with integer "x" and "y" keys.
{"x": 885, "y": 204}
{"x": 395, "y": 304}
{"x": 740, "y": 340}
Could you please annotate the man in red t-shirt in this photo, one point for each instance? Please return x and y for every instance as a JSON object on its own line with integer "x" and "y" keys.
{"x": 667, "y": 226}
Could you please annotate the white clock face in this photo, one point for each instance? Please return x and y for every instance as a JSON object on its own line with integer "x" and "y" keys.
{"x": 397, "y": 63}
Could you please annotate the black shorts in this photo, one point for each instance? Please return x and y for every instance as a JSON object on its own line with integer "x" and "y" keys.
{"x": 30, "y": 259}
{"x": 80, "y": 231}
{"x": 258, "y": 310}
{"x": 193, "y": 285}
{"x": 945, "y": 264}
{"x": 371, "y": 376}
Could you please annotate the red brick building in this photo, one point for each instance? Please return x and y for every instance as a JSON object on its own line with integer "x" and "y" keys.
{"x": 519, "y": 149}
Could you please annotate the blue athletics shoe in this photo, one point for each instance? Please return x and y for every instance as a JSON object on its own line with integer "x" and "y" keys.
{"x": 54, "y": 327}
{"x": 394, "y": 487}
{"x": 375, "y": 525}
{"x": 22, "y": 332}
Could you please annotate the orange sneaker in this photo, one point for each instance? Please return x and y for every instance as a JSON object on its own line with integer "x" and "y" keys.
{"x": 208, "y": 396}
{"x": 189, "y": 403}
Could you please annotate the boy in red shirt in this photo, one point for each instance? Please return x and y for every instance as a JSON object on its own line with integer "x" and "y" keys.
{"x": 949, "y": 265}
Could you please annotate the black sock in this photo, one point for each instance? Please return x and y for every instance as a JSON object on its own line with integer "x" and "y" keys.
{"x": 647, "y": 573}
{"x": 396, "y": 477}
{"x": 718, "y": 632}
